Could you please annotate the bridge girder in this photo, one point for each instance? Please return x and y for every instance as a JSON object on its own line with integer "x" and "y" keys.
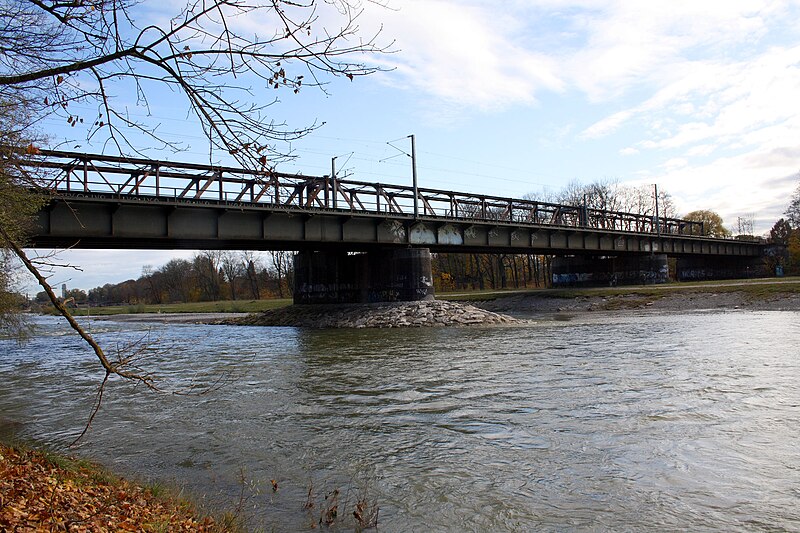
{"x": 104, "y": 221}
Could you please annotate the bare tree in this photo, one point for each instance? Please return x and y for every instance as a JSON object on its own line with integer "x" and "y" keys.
{"x": 57, "y": 53}
{"x": 572, "y": 193}
{"x": 282, "y": 262}
{"x": 251, "y": 265}
{"x": 666, "y": 205}
{"x": 206, "y": 269}
{"x": 153, "y": 279}
{"x": 604, "y": 195}
{"x": 641, "y": 200}
{"x": 232, "y": 268}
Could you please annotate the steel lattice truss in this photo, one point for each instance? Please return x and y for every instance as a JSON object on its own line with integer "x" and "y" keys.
{"x": 132, "y": 178}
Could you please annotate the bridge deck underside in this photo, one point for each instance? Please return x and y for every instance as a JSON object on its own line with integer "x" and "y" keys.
{"x": 98, "y": 223}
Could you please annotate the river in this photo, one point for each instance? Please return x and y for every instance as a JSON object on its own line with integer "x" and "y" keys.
{"x": 639, "y": 422}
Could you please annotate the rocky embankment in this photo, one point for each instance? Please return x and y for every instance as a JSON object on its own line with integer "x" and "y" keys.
{"x": 434, "y": 313}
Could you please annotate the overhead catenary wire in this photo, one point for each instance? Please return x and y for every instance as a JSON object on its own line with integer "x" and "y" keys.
{"x": 315, "y": 135}
{"x": 371, "y": 155}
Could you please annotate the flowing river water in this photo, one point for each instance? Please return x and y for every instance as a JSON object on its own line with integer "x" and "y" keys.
{"x": 639, "y": 422}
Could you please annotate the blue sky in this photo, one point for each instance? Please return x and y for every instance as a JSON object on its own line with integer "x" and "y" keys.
{"x": 524, "y": 96}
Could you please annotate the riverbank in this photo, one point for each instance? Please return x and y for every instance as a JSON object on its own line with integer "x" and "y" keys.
{"x": 180, "y": 308}
{"x": 501, "y": 307}
{"x": 514, "y": 307}
{"x": 42, "y": 491}
{"x": 755, "y": 295}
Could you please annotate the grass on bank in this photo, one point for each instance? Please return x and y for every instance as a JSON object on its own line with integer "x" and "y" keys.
{"x": 224, "y": 306}
{"x": 46, "y": 491}
{"x": 753, "y": 288}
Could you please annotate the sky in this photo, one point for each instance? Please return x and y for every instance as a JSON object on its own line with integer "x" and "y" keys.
{"x": 524, "y": 96}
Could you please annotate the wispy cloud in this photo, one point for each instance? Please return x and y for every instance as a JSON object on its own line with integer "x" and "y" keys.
{"x": 465, "y": 54}
{"x": 489, "y": 54}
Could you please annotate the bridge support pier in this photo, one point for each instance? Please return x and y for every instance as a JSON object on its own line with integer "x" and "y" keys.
{"x": 402, "y": 274}
{"x": 715, "y": 267}
{"x": 585, "y": 271}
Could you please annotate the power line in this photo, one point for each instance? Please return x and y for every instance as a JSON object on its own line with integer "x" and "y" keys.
{"x": 366, "y": 158}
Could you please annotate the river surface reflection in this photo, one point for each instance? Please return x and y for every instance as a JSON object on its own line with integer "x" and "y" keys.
{"x": 634, "y": 422}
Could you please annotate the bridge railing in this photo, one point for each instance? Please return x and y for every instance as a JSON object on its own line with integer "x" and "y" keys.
{"x": 122, "y": 177}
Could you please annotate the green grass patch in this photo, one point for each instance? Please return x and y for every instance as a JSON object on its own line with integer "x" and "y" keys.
{"x": 753, "y": 288}
{"x": 488, "y": 294}
{"x": 225, "y": 306}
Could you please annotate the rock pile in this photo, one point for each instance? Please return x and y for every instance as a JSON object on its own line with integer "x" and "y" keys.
{"x": 432, "y": 313}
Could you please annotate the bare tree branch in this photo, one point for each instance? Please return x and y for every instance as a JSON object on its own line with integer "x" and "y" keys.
{"x": 108, "y": 366}
{"x": 206, "y": 54}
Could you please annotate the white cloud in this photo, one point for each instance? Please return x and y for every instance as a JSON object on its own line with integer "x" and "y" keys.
{"x": 675, "y": 163}
{"x": 607, "y": 125}
{"x": 726, "y": 99}
{"x": 486, "y": 56}
{"x": 733, "y": 186}
{"x": 701, "y": 150}
{"x": 464, "y": 54}
{"x": 630, "y": 44}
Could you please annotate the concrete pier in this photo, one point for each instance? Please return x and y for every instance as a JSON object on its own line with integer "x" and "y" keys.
{"x": 393, "y": 275}
{"x": 587, "y": 271}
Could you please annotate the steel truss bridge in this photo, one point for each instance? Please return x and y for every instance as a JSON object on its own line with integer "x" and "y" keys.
{"x": 111, "y": 202}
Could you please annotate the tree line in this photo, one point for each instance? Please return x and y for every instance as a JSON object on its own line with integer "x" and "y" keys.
{"x": 209, "y": 275}
{"x": 458, "y": 271}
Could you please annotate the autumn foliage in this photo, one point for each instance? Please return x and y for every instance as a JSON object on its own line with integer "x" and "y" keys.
{"x": 40, "y": 493}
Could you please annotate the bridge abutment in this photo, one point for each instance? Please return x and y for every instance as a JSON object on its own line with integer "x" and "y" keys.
{"x": 402, "y": 274}
{"x": 585, "y": 271}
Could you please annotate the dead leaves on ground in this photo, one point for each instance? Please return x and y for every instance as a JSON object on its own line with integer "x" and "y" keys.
{"x": 37, "y": 494}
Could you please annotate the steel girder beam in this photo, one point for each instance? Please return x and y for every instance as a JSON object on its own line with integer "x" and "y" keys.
{"x": 98, "y": 222}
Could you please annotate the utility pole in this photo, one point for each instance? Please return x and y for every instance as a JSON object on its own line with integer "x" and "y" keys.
{"x": 658, "y": 222}
{"x": 584, "y": 218}
{"x": 414, "y": 177}
{"x": 333, "y": 177}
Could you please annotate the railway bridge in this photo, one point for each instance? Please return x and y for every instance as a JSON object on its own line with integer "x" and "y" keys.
{"x": 360, "y": 241}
